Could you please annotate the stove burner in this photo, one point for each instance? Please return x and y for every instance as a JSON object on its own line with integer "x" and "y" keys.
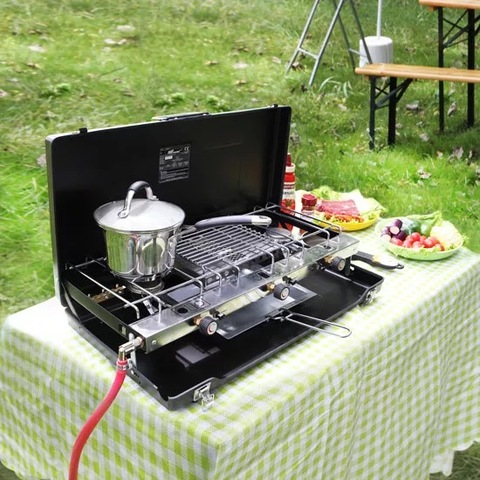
{"x": 280, "y": 235}
{"x": 151, "y": 286}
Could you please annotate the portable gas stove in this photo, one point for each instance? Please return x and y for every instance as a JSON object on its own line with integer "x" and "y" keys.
{"x": 236, "y": 294}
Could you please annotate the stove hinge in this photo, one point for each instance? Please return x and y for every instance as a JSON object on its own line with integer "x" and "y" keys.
{"x": 205, "y": 397}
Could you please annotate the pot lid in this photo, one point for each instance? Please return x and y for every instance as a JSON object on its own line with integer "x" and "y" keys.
{"x": 145, "y": 216}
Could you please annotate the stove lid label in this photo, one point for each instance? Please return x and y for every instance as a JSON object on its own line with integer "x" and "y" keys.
{"x": 174, "y": 163}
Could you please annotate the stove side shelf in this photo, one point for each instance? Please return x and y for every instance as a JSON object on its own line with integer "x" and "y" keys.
{"x": 336, "y": 293}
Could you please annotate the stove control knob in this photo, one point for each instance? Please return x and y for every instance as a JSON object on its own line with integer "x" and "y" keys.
{"x": 207, "y": 326}
{"x": 281, "y": 291}
{"x": 339, "y": 263}
{"x": 336, "y": 263}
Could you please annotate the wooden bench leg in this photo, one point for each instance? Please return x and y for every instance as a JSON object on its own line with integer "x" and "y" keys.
{"x": 392, "y": 111}
{"x": 373, "y": 108}
{"x": 381, "y": 97}
{"x": 455, "y": 30}
{"x": 441, "y": 48}
{"x": 441, "y": 107}
{"x": 471, "y": 65}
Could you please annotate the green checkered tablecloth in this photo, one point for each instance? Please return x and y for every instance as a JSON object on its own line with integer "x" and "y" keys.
{"x": 380, "y": 404}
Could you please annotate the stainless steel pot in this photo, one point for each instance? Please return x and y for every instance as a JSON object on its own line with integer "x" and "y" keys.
{"x": 141, "y": 234}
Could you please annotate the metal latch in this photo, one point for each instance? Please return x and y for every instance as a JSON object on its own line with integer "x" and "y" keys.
{"x": 203, "y": 394}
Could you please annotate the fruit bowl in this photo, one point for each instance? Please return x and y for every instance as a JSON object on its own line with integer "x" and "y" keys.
{"x": 424, "y": 254}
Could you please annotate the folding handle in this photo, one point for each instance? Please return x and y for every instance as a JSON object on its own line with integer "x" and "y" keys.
{"x": 289, "y": 316}
{"x": 259, "y": 220}
{"x": 383, "y": 261}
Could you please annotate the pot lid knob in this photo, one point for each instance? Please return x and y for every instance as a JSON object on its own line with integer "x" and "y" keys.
{"x": 132, "y": 190}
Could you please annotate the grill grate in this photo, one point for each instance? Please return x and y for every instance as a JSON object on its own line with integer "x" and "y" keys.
{"x": 232, "y": 245}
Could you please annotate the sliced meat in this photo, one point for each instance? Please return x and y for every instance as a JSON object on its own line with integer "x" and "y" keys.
{"x": 338, "y": 207}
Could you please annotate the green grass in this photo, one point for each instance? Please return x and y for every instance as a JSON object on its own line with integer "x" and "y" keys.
{"x": 73, "y": 63}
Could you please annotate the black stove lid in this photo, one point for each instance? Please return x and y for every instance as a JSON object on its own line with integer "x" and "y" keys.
{"x": 207, "y": 164}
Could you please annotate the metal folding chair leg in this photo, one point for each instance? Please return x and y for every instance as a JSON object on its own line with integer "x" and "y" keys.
{"x": 336, "y": 17}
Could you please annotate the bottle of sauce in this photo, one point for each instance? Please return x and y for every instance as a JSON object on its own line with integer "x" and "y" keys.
{"x": 288, "y": 196}
{"x": 289, "y": 181}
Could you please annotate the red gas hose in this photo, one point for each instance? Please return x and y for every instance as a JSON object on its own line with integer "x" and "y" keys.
{"x": 95, "y": 418}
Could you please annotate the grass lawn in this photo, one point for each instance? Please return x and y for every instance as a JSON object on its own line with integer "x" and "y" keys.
{"x": 74, "y": 63}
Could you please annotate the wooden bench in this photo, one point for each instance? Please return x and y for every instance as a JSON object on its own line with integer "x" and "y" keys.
{"x": 391, "y": 92}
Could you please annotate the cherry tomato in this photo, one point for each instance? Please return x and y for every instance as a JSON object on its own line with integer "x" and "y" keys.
{"x": 407, "y": 243}
{"x": 417, "y": 244}
{"x": 428, "y": 243}
{"x": 434, "y": 240}
{"x": 415, "y": 237}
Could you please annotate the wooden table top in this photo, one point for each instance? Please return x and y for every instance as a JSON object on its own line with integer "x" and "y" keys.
{"x": 463, "y": 4}
{"x": 419, "y": 72}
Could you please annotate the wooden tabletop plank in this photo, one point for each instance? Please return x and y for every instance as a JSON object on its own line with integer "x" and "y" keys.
{"x": 420, "y": 72}
{"x": 463, "y": 4}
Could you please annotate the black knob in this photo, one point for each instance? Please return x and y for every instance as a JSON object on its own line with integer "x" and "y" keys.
{"x": 281, "y": 291}
{"x": 338, "y": 264}
{"x": 207, "y": 326}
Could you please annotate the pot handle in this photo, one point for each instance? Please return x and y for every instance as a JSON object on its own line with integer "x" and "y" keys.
{"x": 132, "y": 190}
{"x": 259, "y": 220}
